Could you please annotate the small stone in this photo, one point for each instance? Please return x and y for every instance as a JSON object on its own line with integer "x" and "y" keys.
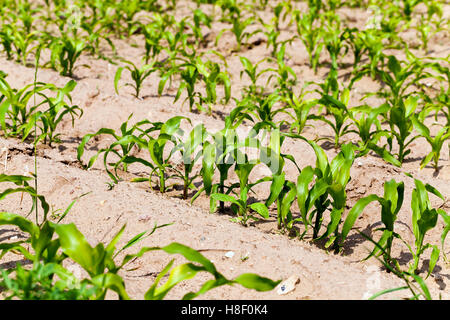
{"x": 229, "y": 254}
{"x": 288, "y": 285}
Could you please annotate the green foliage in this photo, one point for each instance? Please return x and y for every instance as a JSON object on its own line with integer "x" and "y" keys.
{"x": 311, "y": 34}
{"x": 138, "y": 75}
{"x": 18, "y": 117}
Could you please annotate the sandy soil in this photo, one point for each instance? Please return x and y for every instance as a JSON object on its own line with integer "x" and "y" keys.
{"x": 101, "y": 213}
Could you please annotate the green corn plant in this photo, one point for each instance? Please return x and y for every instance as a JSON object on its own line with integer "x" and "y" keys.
{"x": 408, "y": 278}
{"x": 191, "y": 72}
{"x": 20, "y": 40}
{"x": 368, "y": 135}
{"x": 282, "y": 191}
{"x": 217, "y": 156}
{"x": 153, "y": 33}
{"x": 253, "y": 74}
{"x": 38, "y": 283}
{"x": 239, "y": 205}
{"x": 230, "y": 8}
{"x": 326, "y": 180}
{"x": 126, "y": 140}
{"x": 17, "y": 118}
{"x": 400, "y": 122}
{"x": 187, "y": 149}
{"x": 156, "y": 147}
{"x": 27, "y": 15}
{"x": 301, "y": 115}
{"x": 402, "y": 105}
{"x": 99, "y": 263}
{"x": 390, "y": 23}
{"x": 177, "y": 41}
{"x": 273, "y": 32}
{"x": 408, "y": 7}
{"x": 13, "y": 109}
{"x": 65, "y": 51}
{"x": 239, "y": 32}
{"x": 24, "y": 187}
{"x": 258, "y": 109}
{"x": 372, "y": 41}
{"x": 97, "y": 33}
{"x": 330, "y": 86}
{"x": 286, "y": 76}
{"x": 424, "y": 219}
{"x": 441, "y": 103}
{"x": 7, "y": 40}
{"x": 435, "y": 142}
{"x": 424, "y": 32}
{"x": 365, "y": 122}
{"x": 334, "y": 39}
{"x": 200, "y": 18}
{"x": 212, "y": 76}
{"x": 53, "y": 116}
{"x": 338, "y": 109}
{"x": 311, "y": 36}
{"x": 354, "y": 40}
{"x": 391, "y": 204}
{"x": 138, "y": 75}
{"x": 400, "y": 78}
{"x": 280, "y": 12}
{"x": 126, "y": 11}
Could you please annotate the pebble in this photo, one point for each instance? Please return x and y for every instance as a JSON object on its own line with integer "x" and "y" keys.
{"x": 229, "y": 254}
{"x": 288, "y": 285}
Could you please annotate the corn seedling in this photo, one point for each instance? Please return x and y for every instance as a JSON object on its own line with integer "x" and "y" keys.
{"x": 252, "y": 72}
{"x": 24, "y": 188}
{"x": 258, "y": 109}
{"x": 19, "y": 40}
{"x": 424, "y": 218}
{"x": 17, "y": 118}
{"x": 311, "y": 36}
{"x": 193, "y": 71}
{"x": 338, "y": 109}
{"x": 391, "y": 204}
{"x": 65, "y": 51}
{"x": 200, "y": 18}
{"x": 99, "y": 263}
{"x": 435, "y": 142}
{"x": 301, "y": 114}
{"x": 126, "y": 140}
{"x": 156, "y": 147}
{"x": 409, "y": 278}
{"x": 369, "y": 138}
{"x": 238, "y": 30}
{"x": 53, "y": 116}
{"x": 334, "y": 39}
{"x": 187, "y": 149}
{"x": 138, "y": 75}
{"x": 285, "y": 76}
{"x": 330, "y": 179}
{"x": 239, "y": 205}
{"x": 217, "y": 155}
